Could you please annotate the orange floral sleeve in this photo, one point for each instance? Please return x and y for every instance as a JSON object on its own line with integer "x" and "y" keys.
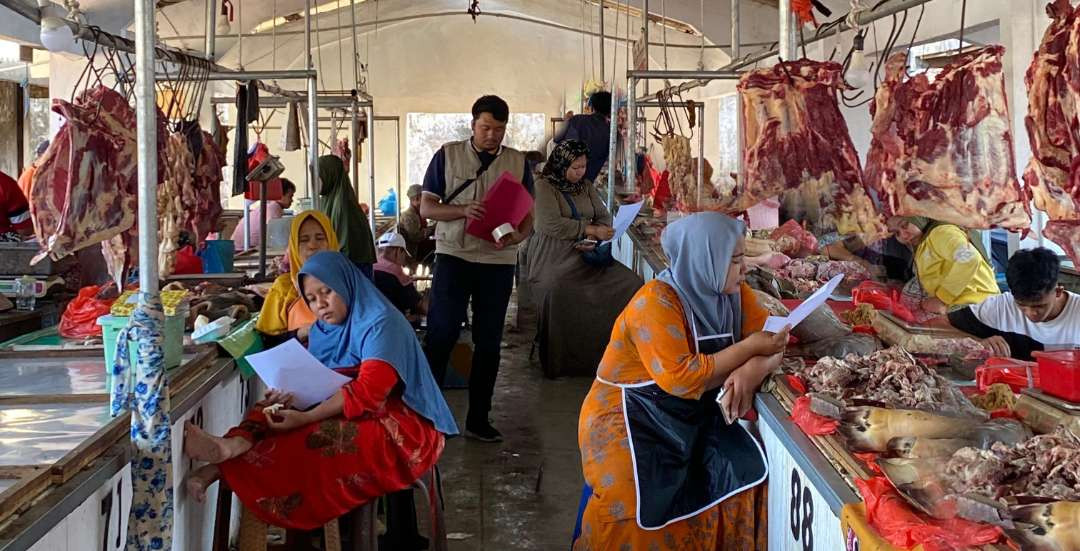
{"x": 663, "y": 343}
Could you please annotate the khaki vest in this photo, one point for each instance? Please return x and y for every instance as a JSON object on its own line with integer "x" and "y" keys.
{"x": 462, "y": 162}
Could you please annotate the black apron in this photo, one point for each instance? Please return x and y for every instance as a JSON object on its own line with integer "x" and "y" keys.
{"x": 686, "y": 458}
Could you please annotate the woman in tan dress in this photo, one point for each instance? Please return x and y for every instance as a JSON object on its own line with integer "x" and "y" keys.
{"x": 578, "y": 289}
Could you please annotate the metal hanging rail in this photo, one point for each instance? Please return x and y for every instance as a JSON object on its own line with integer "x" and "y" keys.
{"x": 631, "y": 122}
{"x": 865, "y": 18}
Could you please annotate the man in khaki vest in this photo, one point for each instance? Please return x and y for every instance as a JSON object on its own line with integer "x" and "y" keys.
{"x": 468, "y": 268}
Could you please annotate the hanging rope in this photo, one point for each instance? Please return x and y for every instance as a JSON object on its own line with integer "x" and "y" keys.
{"x": 963, "y": 21}
{"x": 273, "y": 38}
{"x": 318, "y": 49}
{"x": 615, "y": 57}
{"x": 239, "y": 35}
{"x": 340, "y": 45}
{"x": 663, "y": 29}
{"x": 701, "y": 30}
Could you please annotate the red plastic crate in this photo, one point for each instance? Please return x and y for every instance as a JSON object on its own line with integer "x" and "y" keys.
{"x": 1060, "y": 373}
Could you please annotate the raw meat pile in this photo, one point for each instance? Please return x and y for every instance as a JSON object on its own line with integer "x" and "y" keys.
{"x": 1045, "y": 466}
{"x": 1053, "y": 125}
{"x": 891, "y": 376}
{"x": 214, "y": 301}
{"x": 812, "y": 273}
{"x": 796, "y": 137}
{"x": 943, "y": 149}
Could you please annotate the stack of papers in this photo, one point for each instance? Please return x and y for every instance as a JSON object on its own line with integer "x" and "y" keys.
{"x": 775, "y": 324}
{"x": 289, "y": 367}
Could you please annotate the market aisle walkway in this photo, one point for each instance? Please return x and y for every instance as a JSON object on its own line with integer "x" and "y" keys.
{"x": 524, "y": 492}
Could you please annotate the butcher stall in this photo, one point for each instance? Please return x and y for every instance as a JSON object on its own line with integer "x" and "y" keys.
{"x": 65, "y": 476}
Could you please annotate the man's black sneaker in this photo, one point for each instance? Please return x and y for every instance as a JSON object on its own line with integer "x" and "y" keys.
{"x": 483, "y": 432}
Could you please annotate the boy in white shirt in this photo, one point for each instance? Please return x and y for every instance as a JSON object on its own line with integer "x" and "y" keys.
{"x": 1037, "y": 312}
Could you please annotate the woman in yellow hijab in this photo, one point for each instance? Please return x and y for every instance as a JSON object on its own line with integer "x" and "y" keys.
{"x": 282, "y": 311}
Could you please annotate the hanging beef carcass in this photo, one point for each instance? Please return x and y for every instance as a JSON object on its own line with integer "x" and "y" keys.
{"x": 85, "y": 185}
{"x": 177, "y": 184}
{"x": 1053, "y": 81}
{"x": 796, "y": 138}
{"x": 943, "y": 149}
{"x": 204, "y": 218}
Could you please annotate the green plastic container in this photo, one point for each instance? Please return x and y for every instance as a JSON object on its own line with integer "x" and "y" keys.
{"x": 174, "y": 342}
{"x": 242, "y": 341}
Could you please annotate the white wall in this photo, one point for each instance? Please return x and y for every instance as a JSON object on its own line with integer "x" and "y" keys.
{"x": 441, "y": 65}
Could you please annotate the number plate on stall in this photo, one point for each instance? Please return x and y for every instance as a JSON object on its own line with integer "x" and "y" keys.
{"x": 799, "y": 518}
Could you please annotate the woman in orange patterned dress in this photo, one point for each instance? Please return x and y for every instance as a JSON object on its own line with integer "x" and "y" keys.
{"x": 664, "y": 468}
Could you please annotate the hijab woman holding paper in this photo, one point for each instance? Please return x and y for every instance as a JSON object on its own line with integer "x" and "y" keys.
{"x": 577, "y": 286}
{"x": 661, "y": 462}
{"x": 283, "y": 314}
{"x": 376, "y": 435}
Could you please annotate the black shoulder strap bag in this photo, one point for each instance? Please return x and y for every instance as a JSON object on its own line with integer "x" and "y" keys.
{"x": 600, "y": 256}
{"x": 465, "y": 185}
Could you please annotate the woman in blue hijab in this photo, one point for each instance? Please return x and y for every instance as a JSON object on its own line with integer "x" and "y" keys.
{"x": 377, "y": 435}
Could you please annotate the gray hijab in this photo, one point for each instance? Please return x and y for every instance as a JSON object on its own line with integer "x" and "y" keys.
{"x": 699, "y": 249}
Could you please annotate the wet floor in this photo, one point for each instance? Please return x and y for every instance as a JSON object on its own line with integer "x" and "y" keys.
{"x": 522, "y": 493}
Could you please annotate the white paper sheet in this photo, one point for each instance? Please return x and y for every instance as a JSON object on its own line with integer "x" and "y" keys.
{"x": 775, "y": 324}
{"x": 289, "y": 367}
{"x": 624, "y": 218}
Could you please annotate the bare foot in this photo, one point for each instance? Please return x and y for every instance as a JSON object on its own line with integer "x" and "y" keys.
{"x": 202, "y": 446}
{"x": 200, "y": 479}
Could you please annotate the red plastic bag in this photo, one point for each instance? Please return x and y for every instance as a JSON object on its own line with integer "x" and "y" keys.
{"x": 1006, "y": 370}
{"x": 796, "y": 383}
{"x": 810, "y": 422}
{"x": 80, "y": 317}
{"x": 187, "y": 262}
{"x": 882, "y": 297}
{"x": 799, "y": 243}
{"x": 895, "y": 521}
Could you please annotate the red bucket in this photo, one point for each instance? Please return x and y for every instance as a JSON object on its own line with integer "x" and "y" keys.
{"x": 1060, "y": 373}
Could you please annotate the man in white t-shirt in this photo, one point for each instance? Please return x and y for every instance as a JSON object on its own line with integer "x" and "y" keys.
{"x": 1036, "y": 314}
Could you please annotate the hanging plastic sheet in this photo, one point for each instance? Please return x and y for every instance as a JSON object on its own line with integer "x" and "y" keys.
{"x": 150, "y": 525}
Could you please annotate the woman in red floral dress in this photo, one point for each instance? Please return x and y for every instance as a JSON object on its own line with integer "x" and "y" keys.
{"x": 377, "y": 435}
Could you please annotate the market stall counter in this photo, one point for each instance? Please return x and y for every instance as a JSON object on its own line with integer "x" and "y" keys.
{"x": 64, "y": 473}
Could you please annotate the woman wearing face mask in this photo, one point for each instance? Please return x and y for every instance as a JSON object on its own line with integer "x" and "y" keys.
{"x": 377, "y": 435}
{"x": 283, "y": 314}
{"x": 652, "y": 436}
{"x": 577, "y": 299}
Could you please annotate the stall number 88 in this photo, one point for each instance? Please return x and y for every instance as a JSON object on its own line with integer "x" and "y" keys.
{"x": 802, "y": 512}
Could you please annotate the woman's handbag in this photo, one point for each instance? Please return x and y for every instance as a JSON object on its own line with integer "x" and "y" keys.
{"x": 600, "y": 256}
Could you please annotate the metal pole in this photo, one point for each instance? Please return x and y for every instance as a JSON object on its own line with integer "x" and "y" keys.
{"x": 262, "y": 230}
{"x": 355, "y": 47}
{"x": 701, "y": 153}
{"x": 247, "y": 224}
{"x": 645, "y": 34}
{"x": 631, "y": 138}
{"x": 602, "y": 73}
{"x": 354, "y": 142}
{"x": 371, "y": 166}
{"x": 313, "y": 113}
{"x": 736, "y": 53}
{"x": 678, "y": 74}
{"x": 397, "y": 132}
{"x": 211, "y": 28}
{"x": 146, "y": 136}
{"x": 613, "y": 146}
{"x": 789, "y": 45}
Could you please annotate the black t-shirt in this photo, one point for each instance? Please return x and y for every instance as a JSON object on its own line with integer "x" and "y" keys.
{"x": 404, "y": 297}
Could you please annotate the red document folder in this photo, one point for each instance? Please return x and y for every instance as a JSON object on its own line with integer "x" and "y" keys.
{"x": 507, "y": 202}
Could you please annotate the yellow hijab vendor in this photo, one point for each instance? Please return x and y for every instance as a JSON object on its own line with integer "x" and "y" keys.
{"x": 282, "y": 311}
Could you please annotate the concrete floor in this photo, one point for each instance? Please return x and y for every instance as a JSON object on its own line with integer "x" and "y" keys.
{"x": 522, "y": 493}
